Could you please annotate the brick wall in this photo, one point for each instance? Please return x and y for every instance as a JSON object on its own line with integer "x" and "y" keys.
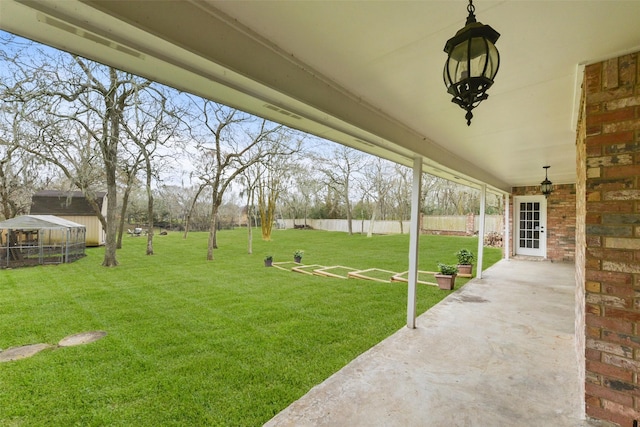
{"x": 612, "y": 228}
{"x": 581, "y": 245}
{"x": 561, "y": 219}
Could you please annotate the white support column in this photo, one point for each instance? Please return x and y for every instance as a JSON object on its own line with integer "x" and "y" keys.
{"x": 414, "y": 238}
{"x": 506, "y": 239}
{"x": 483, "y": 202}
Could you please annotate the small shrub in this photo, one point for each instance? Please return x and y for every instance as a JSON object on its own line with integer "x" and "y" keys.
{"x": 447, "y": 269}
{"x": 465, "y": 257}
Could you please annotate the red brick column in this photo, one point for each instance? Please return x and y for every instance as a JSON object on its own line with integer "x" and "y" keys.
{"x": 471, "y": 224}
{"x": 612, "y": 228}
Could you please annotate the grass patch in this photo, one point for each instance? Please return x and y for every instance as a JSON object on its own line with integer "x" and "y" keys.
{"x": 191, "y": 342}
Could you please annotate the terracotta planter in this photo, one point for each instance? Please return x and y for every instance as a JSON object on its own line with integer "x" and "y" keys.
{"x": 464, "y": 270}
{"x": 445, "y": 281}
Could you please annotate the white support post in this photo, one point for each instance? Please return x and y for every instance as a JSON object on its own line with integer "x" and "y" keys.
{"x": 483, "y": 201}
{"x": 506, "y": 239}
{"x": 414, "y": 238}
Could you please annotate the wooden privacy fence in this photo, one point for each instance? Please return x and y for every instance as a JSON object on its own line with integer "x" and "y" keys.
{"x": 461, "y": 225}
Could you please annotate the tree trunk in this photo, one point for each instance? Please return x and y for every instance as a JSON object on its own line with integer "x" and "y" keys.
{"x": 123, "y": 212}
{"x": 186, "y": 225}
{"x": 250, "y": 237}
{"x": 110, "y": 153}
{"x": 212, "y": 243}
{"x": 372, "y": 220}
{"x": 149, "y": 204}
{"x": 193, "y": 204}
{"x": 150, "y": 225}
{"x": 110, "y": 238}
{"x": 349, "y": 218}
{"x": 249, "y": 229}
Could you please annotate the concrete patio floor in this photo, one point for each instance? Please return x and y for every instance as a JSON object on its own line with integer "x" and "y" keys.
{"x": 498, "y": 352}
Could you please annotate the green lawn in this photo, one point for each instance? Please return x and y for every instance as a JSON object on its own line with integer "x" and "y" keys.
{"x": 190, "y": 342}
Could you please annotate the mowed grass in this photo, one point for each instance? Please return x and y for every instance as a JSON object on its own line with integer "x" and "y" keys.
{"x": 193, "y": 343}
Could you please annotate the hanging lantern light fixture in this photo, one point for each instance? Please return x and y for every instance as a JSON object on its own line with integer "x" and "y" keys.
{"x": 472, "y": 63}
{"x": 546, "y": 185}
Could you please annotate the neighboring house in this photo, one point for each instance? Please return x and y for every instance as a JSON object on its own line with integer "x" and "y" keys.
{"x": 73, "y": 206}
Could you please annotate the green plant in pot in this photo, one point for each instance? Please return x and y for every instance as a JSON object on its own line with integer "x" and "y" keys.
{"x": 447, "y": 277}
{"x": 465, "y": 262}
{"x": 268, "y": 261}
{"x": 297, "y": 255}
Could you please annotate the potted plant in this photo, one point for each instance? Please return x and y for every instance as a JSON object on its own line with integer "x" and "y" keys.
{"x": 268, "y": 261}
{"x": 297, "y": 255}
{"x": 447, "y": 277}
{"x": 465, "y": 265}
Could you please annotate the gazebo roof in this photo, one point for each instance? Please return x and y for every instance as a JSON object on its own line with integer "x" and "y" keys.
{"x": 38, "y": 221}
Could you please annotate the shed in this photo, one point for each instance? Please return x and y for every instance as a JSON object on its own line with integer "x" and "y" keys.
{"x": 73, "y": 206}
{"x": 40, "y": 239}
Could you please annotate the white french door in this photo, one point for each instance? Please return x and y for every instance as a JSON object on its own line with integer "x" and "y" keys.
{"x": 530, "y": 237}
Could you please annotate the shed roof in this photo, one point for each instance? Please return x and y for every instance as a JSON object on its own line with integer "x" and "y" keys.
{"x": 52, "y": 202}
{"x": 38, "y": 221}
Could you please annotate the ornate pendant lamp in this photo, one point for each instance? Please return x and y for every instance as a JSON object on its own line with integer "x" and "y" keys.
{"x": 472, "y": 63}
{"x": 546, "y": 185}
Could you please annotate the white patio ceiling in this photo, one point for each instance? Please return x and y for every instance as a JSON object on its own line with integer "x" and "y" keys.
{"x": 366, "y": 74}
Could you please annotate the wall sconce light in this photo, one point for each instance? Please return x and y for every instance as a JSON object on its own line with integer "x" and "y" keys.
{"x": 472, "y": 63}
{"x": 546, "y": 185}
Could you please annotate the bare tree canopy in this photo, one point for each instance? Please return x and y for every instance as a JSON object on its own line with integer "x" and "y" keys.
{"x": 79, "y": 109}
{"x": 229, "y": 142}
{"x": 339, "y": 170}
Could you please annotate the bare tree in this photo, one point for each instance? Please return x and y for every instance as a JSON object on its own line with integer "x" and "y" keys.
{"x": 79, "y": 116}
{"x": 339, "y": 169}
{"x": 175, "y": 201}
{"x": 377, "y": 182}
{"x": 228, "y": 142}
{"x": 274, "y": 180}
{"x": 302, "y": 191}
{"x": 250, "y": 177}
{"x": 150, "y": 123}
{"x": 21, "y": 173}
{"x": 400, "y": 193}
{"x": 192, "y": 205}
